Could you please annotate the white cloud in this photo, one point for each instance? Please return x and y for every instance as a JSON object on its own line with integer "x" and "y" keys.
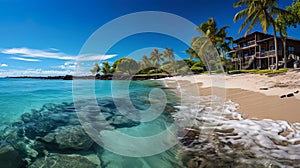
{"x": 53, "y": 49}
{"x": 67, "y": 66}
{"x": 4, "y": 65}
{"x": 95, "y": 57}
{"x": 53, "y": 54}
{"x": 24, "y": 59}
{"x": 26, "y": 52}
{"x": 35, "y": 72}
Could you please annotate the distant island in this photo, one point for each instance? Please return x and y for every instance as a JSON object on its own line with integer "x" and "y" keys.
{"x": 97, "y": 77}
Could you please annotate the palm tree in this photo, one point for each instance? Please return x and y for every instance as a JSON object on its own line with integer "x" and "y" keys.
{"x": 259, "y": 12}
{"x": 192, "y": 53}
{"x": 218, "y": 36}
{"x": 146, "y": 63}
{"x": 169, "y": 54}
{"x": 283, "y": 22}
{"x": 156, "y": 57}
{"x": 95, "y": 69}
{"x": 105, "y": 68}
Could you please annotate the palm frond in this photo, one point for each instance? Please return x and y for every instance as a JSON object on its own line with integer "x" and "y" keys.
{"x": 241, "y": 14}
{"x": 241, "y": 3}
{"x": 254, "y": 21}
{"x": 247, "y": 21}
{"x": 264, "y": 21}
{"x": 284, "y": 13}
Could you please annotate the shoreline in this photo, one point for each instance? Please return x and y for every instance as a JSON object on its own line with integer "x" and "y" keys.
{"x": 254, "y": 105}
{"x": 99, "y": 77}
{"x": 258, "y": 96}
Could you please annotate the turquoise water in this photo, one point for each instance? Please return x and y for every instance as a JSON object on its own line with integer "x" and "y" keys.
{"x": 55, "y": 98}
{"x": 18, "y": 96}
{"x": 39, "y": 115}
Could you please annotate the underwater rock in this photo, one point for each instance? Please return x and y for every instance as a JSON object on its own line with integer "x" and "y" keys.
{"x": 105, "y": 112}
{"x": 196, "y": 162}
{"x": 36, "y": 115}
{"x": 122, "y": 121}
{"x": 63, "y": 161}
{"x": 60, "y": 118}
{"x": 74, "y": 121}
{"x": 26, "y": 117}
{"x": 50, "y": 106}
{"x": 39, "y": 128}
{"x": 68, "y": 137}
{"x": 188, "y": 136}
{"x": 9, "y": 157}
{"x": 15, "y": 138}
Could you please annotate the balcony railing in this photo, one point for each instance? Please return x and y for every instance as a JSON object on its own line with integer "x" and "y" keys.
{"x": 237, "y": 47}
{"x": 266, "y": 54}
{"x": 249, "y": 43}
{"x": 257, "y": 55}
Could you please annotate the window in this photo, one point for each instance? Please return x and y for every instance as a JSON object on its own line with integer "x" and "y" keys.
{"x": 278, "y": 47}
{"x": 291, "y": 50}
{"x": 272, "y": 48}
{"x": 263, "y": 50}
{"x": 246, "y": 54}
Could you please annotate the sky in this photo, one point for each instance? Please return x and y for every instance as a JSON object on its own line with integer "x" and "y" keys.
{"x": 46, "y": 37}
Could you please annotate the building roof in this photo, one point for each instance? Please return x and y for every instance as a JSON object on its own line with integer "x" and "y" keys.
{"x": 257, "y": 32}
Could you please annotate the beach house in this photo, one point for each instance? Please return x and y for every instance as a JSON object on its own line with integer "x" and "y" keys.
{"x": 257, "y": 51}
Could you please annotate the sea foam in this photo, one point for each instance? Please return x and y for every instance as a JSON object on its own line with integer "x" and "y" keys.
{"x": 224, "y": 134}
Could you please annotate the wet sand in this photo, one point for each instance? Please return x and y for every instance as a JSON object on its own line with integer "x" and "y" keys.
{"x": 257, "y": 105}
{"x": 246, "y": 90}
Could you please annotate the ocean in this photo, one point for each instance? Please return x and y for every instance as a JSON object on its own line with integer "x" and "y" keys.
{"x": 32, "y": 110}
{"x": 86, "y": 123}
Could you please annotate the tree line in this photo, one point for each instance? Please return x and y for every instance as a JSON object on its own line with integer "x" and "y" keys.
{"x": 216, "y": 41}
{"x": 156, "y": 63}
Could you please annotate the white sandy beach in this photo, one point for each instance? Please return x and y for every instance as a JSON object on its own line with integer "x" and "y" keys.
{"x": 258, "y": 96}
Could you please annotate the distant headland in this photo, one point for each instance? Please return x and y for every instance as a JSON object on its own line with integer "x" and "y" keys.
{"x": 97, "y": 77}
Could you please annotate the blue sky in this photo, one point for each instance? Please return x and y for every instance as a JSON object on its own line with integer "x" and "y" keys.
{"x": 39, "y": 37}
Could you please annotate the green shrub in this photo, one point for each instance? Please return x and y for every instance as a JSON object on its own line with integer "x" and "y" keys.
{"x": 268, "y": 72}
{"x": 261, "y": 72}
{"x": 197, "y": 70}
{"x": 242, "y": 71}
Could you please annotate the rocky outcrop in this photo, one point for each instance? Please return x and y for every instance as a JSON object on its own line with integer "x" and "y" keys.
{"x": 9, "y": 157}
{"x": 63, "y": 161}
{"x": 39, "y": 128}
{"x": 68, "y": 138}
{"x": 57, "y": 129}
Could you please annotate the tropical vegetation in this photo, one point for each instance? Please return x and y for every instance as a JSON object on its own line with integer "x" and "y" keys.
{"x": 96, "y": 69}
{"x": 261, "y": 12}
{"x": 283, "y": 22}
{"x": 212, "y": 41}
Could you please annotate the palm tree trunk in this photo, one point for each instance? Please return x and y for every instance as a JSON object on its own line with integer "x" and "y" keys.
{"x": 275, "y": 46}
{"x": 284, "y": 51}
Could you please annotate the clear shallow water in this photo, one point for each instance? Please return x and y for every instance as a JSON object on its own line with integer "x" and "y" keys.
{"x": 45, "y": 101}
{"x": 218, "y": 138}
{"x": 18, "y": 96}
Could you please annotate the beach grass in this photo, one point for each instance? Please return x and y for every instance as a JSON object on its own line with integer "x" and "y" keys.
{"x": 261, "y": 72}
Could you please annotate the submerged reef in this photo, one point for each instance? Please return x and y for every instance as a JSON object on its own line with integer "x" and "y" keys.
{"x": 53, "y": 136}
